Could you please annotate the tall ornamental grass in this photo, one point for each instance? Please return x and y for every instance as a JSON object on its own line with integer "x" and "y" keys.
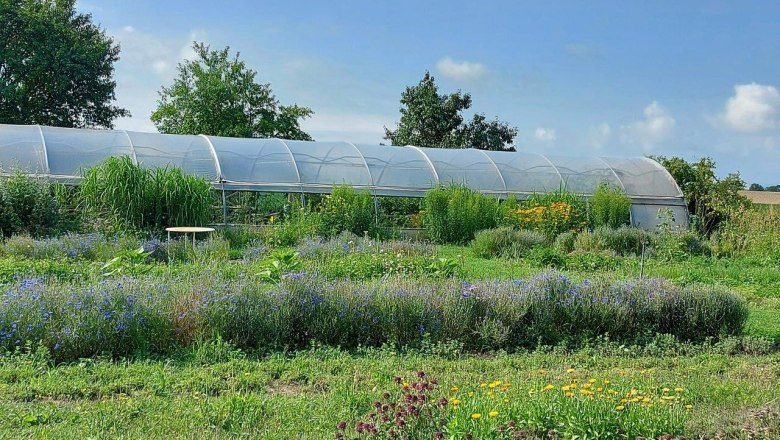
{"x": 144, "y": 315}
{"x": 146, "y": 199}
{"x": 453, "y": 214}
{"x": 346, "y": 209}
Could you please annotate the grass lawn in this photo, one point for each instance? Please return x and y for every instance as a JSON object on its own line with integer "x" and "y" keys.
{"x": 213, "y": 391}
{"x": 304, "y": 395}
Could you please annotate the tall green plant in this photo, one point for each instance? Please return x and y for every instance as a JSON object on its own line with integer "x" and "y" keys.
{"x": 347, "y": 210}
{"x": 146, "y": 199}
{"x": 453, "y": 214}
{"x": 610, "y": 206}
{"x": 28, "y": 205}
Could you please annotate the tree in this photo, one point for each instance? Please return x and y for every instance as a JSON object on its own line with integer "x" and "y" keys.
{"x": 756, "y": 187}
{"x": 56, "y": 66}
{"x": 217, "y": 95}
{"x": 711, "y": 200}
{"x": 429, "y": 119}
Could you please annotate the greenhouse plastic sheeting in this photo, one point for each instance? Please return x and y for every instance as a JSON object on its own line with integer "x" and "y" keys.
{"x": 276, "y": 165}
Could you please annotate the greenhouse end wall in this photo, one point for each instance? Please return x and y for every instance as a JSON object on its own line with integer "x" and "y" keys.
{"x": 277, "y": 165}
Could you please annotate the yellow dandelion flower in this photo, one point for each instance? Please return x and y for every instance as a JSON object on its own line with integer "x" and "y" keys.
{"x": 565, "y": 388}
{"x": 606, "y": 381}
{"x": 482, "y": 385}
{"x": 620, "y": 408}
{"x": 569, "y": 394}
{"x": 476, "y": 416}
{"x": 570, "y": 370}
{"x": 549, "y": 386}
{"x": 599, "y": 389}
{"x": 678, "y": 390}
{"x": 592, "y": 380}
{"x": 471, "y": 393}
{"x": 493, "y": 413}
{"x": 688, "y": 407}
{"x": 454, "y": 389}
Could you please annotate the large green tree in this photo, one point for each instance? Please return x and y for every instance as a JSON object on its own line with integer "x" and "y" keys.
{"x": 56, "y": 66}
{"x": 430, "y": 119}
{"x": 216, "y": 94}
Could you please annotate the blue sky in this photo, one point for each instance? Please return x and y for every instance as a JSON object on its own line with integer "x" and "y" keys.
{"x": 603, "y": 78}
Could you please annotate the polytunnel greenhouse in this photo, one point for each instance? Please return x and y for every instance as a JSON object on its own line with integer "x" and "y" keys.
{"x": 277, "y": 165}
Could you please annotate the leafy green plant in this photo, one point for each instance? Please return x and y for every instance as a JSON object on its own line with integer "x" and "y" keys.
{"x": 442, "y": 267}
{"x": 127, "y": 262}
{"x": 279, "y": 264}
{"x": 453, "y": 214}
{"x": 609, "y": 206}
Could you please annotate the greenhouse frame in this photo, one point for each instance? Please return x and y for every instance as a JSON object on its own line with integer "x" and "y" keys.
{"x": 285, "y": 166}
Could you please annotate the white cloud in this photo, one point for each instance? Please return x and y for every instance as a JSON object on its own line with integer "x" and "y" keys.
{"x": 358, "y": 128}
{"x": 653, "y": 129}
{"x": 460, "y": 71}
{"x": 146, "y": 63}
{"x": 187, "y": 52}
{"x": 545, "y": 134}
{"x": 751, "y": 109}
{"x": 601, "y": 135}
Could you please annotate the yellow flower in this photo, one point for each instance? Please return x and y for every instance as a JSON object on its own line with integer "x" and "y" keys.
{"x": 565, "y": 388}
{"x": 506, "y": 400}
{"x": 620, "y": 408}
{"x": 471, "y": 393}
{"x": 570, "y": 370}
{"x": 549, "y": 386}
{"x": 493, "y": 413}
{"x": 689, "y": 407}
{"x": 606, "y": 381}
{"x": 454, "y": 389}
{"x": 482, "y": 385}
{"x": 592, "y": 380}
{"x": 678, "y": 390}
{"x": 455, "y": 402}
{"x": 569, "y": 394}
{"x": 476, "y": 416}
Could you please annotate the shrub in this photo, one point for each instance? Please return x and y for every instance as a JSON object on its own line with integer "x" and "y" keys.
{"x": 28, "y": 206}
{"x": 140, "y": 198}
{"x": 144, "y": 314}
{"x": 453, "y": 214}
{"x": 711, "y": 200}
{"x": 609, "y": 206}
{"x": 753, "y": 232}
{"x": 623, "y": 241}
{"x": 564, "y": 242}
{"x": 506, "y": 242}
{"x": 549, "y": 213}
{"x": 299, "y": 223}
{"x": 347, "y": 210}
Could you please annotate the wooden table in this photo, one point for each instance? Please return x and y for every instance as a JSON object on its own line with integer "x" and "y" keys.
{"x": 188, "y": 230}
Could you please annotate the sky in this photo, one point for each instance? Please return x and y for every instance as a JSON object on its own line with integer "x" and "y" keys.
{"x": 608, "y": 78}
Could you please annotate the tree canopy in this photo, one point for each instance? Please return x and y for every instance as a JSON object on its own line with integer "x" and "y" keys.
{"x": 216, "y": 94}
{"x": 56, "y": 66}
{"x": 430, "y": 119}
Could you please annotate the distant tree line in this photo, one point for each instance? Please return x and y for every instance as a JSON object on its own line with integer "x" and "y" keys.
{"x": 757, "y": 187}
